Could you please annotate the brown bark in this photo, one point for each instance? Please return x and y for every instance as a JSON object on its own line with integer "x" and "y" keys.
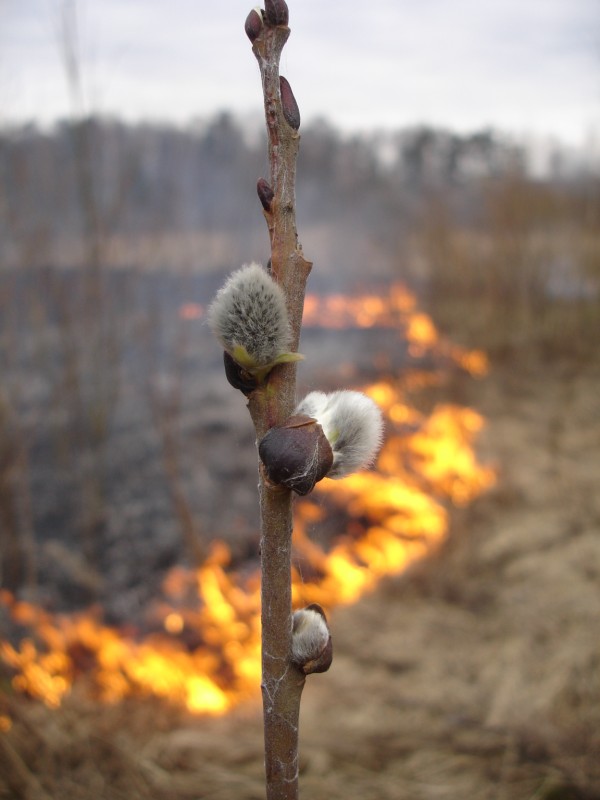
{"x": 282, "y": 681}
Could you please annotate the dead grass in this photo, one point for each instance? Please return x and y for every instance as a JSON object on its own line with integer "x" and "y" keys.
{"x": 520, "y": 272}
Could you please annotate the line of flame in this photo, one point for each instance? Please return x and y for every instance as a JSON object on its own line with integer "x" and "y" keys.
{"x": 206, "y": 655}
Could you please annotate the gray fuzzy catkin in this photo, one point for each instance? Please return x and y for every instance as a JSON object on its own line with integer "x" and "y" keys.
{"x": 250, "y": 311}
{"x": 309, "y": 635}
{"x": 353, "y": 425}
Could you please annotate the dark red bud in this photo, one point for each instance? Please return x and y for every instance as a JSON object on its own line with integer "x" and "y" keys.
{"x": 291, "y": 112}
{"x": 265, "y": 193}
{"x": 297, "y": 454}
{"x": 253, "y": 25}
{"x": 237, "y": 375}
{"x": 277, "y": 12}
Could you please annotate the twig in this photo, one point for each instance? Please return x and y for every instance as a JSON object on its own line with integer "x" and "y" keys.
{"x": 257, "y": 318}
{"x": 282, "y": 681}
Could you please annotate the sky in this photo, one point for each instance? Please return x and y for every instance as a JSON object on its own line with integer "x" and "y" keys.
{"x": 519, "y": 66}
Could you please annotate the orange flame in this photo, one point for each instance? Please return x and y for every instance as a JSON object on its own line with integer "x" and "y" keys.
{"x": 360, "y": 311}
{"x": 207, "y": 657}
{"x": 397, "y": 309}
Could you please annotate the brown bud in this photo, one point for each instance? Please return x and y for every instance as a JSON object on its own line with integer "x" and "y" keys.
{"x": 297, "y": 454}
{"x": 291, "y": 112}
{"x": 277, "y": 12}
{"x": 237, "y": 375}
{"x": 265, "y": 193}
{"x": 253, "y": 25}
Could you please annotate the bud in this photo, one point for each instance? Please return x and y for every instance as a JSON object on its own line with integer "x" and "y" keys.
{"x": 353, "y": 425}
{"x": 254, "y": 24}
{"x": 249, "y": 318}
{"x": 296, "y": 455}
{"x": 312, "y": 648}
{"x": 277, "y": 12}
{"x": 265, "y": 193}
{"x": 289, "y": 106}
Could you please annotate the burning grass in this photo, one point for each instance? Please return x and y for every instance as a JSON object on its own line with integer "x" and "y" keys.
{"x": 204, "y": 649}
{"x": 207, "y": 656}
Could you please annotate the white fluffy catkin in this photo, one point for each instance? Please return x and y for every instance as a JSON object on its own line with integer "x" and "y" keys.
{"x": 249, "y": 312}
{"x": 309, "y": 635}
{"x": 353, "y": 425}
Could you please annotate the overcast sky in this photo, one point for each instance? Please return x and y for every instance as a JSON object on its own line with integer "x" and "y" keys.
{"x": 517, "y": 65}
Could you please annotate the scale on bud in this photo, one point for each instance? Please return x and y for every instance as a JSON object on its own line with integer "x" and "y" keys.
{"x": 249, "y": 318}
{"x": 254, "y": 24}
{"x": 265, "y": 193}
{"x": 277, "y": 12}
{"x": 296, "y": 455}
{"x": 289, "y": 106}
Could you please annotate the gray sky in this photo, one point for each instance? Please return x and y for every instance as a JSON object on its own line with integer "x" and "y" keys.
{"x": 523, "y": 66}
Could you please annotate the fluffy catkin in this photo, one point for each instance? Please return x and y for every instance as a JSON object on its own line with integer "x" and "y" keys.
{"x": 309, "y": 635}
{"x": 353, "y": 425}
{"x": 249, "y": 311}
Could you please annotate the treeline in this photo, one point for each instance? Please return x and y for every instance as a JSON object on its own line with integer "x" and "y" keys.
{"x": 101, "y": 177}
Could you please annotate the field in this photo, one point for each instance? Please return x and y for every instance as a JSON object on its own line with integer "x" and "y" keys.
{"x": 475, "y": 674}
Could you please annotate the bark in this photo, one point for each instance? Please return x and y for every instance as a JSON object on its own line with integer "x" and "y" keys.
{"x": 282, "y": 681}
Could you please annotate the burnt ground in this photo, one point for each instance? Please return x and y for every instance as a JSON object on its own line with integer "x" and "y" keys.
{"x": 476, "y": 674}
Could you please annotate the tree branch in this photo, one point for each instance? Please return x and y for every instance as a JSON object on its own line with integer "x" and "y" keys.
{"x": 272, "y": 404}
{"x": 257, "y": 317}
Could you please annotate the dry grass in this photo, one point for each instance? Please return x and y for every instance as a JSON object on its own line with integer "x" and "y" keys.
{"x": 521, "y": 273}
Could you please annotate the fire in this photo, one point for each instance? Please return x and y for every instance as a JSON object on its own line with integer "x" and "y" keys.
{"x": 205, "y": 655}
{"x": 359, "y": 311}
{"x": 395, "y": 309}
{"x": 191, "y": 311}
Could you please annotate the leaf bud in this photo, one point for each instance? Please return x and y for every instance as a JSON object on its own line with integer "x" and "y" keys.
{"x": 277, "y": 12}
{"x": 296, "y": 455}
{"x": 353, "y": 425}
{"x": 312, "y": 648}
{"x": 265, "y": 193}
{"x": 289, "y": 106}
{"x": 254, "y": 24}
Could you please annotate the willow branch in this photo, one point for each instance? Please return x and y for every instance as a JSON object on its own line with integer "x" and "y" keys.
{"x": 272, "y": 404}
